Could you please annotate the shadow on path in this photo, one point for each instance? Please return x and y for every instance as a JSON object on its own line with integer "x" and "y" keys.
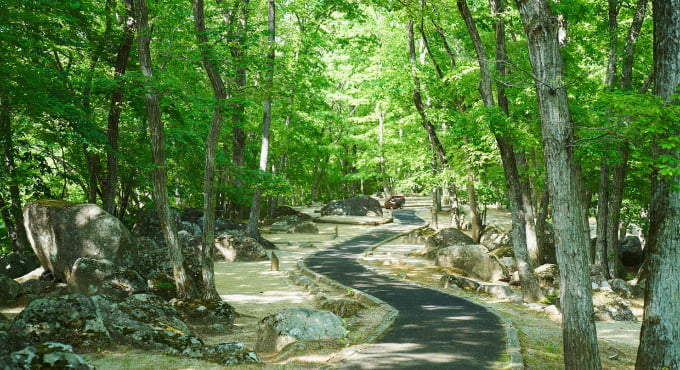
{"x": 432, "y": 331}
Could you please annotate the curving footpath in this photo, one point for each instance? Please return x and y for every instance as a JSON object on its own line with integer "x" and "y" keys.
{"x": 433, "y": 330}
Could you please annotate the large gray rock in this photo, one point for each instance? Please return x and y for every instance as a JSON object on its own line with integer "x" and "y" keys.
{"x": 233, "y": 247}
{"x": 446, "y": 238}
{"x": 474, "y": 260}
{"x": 494, "y": 238}
{"x": 548, "y": 275}
{"x": 361, "y": 205}
{"x": 610, "y": 307}
{"x": 631, "y": 252}
{"x": 205, "y": 312}
{"x": 297, "y": 324}
{"x": 99, "y": 276}
{"x": 9, "y": 290}
{"x": 49, "y": 355}
{"x": 61, "y": 232}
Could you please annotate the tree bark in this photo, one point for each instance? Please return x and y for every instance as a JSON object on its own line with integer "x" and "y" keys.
{"x": 600, "y": 257}
{"x": 579, "y": 333}
{"x": 660, "y": 335}
{"x": 420, "y": 107}
{"x": 629, "y": 49}
{"x": 253, "y": 229}
{"x": 16, "y": 229}
{"x": 209, "y": 199}
{"x": 115, "y": 109}
{"x": 614, "y": 213}
{"x": 156, "y": 130}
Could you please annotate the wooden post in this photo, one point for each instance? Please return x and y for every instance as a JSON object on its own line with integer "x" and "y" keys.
{"x": 275, "y": 261}
{"x": 435, "y": 218}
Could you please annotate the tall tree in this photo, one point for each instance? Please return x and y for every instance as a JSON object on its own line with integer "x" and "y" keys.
{"x": 157, "y": 132}
{"x": 209, "y": 199}
{"x": 660, "y": 335}
{"x": 115, "y": 108}
{"x": 12, "y": 211}
{"x": 253, "y": 229}
{"x": 579, "y": 334}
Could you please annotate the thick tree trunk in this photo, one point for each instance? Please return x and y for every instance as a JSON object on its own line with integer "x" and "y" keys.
{"x": 209, "y": 198}
{"x": 156, "y": 130}
{"x": 115, "y": 109}
{"x": 579, "y": 333}
{"x": 253, "y": 228}
{"x": 660, "y": 335}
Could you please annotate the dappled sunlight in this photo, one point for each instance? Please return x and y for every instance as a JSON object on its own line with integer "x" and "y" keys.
{"x": 403, "y": 355}
{"x": 266, "y": 297}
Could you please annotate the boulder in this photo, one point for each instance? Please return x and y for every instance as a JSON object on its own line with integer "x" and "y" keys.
{"x": 48, "y": 355}
{"x": 622, "y": 288}
{"x": 494, "y": 238}
{"x": 361, "y": 205}
{"x": 227, "y": 354}
{"x": 474, "y": 260}
{"x": 610, "y": 307}
{"x": 233, "y": 247}
{"x": 204, "y": 311}
{"x": 282, "y": 211}
{"x": 162, "y": 285}
{"x": 9, "y": 290}
{"x": 446, "y": 238}
{"x": 297, "y": 324}
{"x": 294, "y": 224}
{"x": 631, "y": 252}
{"x": 306, "y": 227}
{"x": 61, "y": 232}
{"x": 141, "y": 312}
{"x": 99, "y": 276}
{"x": 548, "y": 275}
{"x": 71, "y": 319}
{"x": 14, "y": 265}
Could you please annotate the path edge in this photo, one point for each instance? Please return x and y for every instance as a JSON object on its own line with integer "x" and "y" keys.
{"x": 513, "y": 347}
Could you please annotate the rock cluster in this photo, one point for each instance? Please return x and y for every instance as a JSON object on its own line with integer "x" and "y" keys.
{"x": 140, "y": 320}
{"x": 361, "y": 205}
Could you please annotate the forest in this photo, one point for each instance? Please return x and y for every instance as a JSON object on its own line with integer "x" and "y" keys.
{"x": 562, "y": 111}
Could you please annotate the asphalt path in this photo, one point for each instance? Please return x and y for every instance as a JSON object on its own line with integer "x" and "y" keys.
{"x": 433, "y": 330}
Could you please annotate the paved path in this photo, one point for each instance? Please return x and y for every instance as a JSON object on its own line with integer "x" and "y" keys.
{"x": 432, "y": 331}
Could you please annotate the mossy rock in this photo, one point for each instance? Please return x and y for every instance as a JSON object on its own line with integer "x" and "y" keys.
{"x": 504, "y": 252}
{"x": 343, "y": 307}
{"x": 452, "y": 271}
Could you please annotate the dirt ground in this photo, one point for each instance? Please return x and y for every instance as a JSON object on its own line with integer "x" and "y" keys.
{"x": 256, "y": 291}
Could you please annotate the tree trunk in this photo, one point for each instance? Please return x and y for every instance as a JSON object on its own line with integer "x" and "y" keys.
{"x": 16, "y": 228}
{"x": 610, "y": 74}
{"x": 660, "y": 335}
{"x": 156, "y": 130}
{"x": 600, "y": 257}
{"x": 614, "y": 213}
{"x": 115, "y": 109}
{"x": 629, "y": 49}
{"x": 530, "y": 216}
{"x": 238, "y": 23}
{"x": 209, "y": 199}
{"x": 579, "y": 333}
{"x": 253, "y": 229}
{"x": 418, "y": 101}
